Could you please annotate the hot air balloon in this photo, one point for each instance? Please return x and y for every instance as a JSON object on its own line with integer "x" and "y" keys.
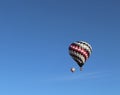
{"x": 80, "y": 51}
{"x": 72, "y": 69}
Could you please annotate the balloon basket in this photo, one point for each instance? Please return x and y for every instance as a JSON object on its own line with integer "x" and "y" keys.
{"x": 80, "y": 68}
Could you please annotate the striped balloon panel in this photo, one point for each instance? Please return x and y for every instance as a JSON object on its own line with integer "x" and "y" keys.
{"x": 80, "y": 51}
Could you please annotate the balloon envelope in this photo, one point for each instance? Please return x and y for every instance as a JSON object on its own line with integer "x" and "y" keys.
{"x": 80, "y": 51}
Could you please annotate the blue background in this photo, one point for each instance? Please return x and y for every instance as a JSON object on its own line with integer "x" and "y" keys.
{"x": 34, "y": 40}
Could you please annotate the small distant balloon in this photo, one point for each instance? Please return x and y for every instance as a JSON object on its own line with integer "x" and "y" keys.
{"x": 80, "y": 51}
{"x": 72, "y": 69}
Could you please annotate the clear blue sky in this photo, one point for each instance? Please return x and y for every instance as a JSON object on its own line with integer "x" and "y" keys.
{"x": 34, "y": 40}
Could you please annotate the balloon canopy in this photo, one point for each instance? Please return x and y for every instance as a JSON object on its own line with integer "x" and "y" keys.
{"x": 80, "y": 51}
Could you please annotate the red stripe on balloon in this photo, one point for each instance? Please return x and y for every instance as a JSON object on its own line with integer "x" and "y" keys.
{"x": 80, "y": 50}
